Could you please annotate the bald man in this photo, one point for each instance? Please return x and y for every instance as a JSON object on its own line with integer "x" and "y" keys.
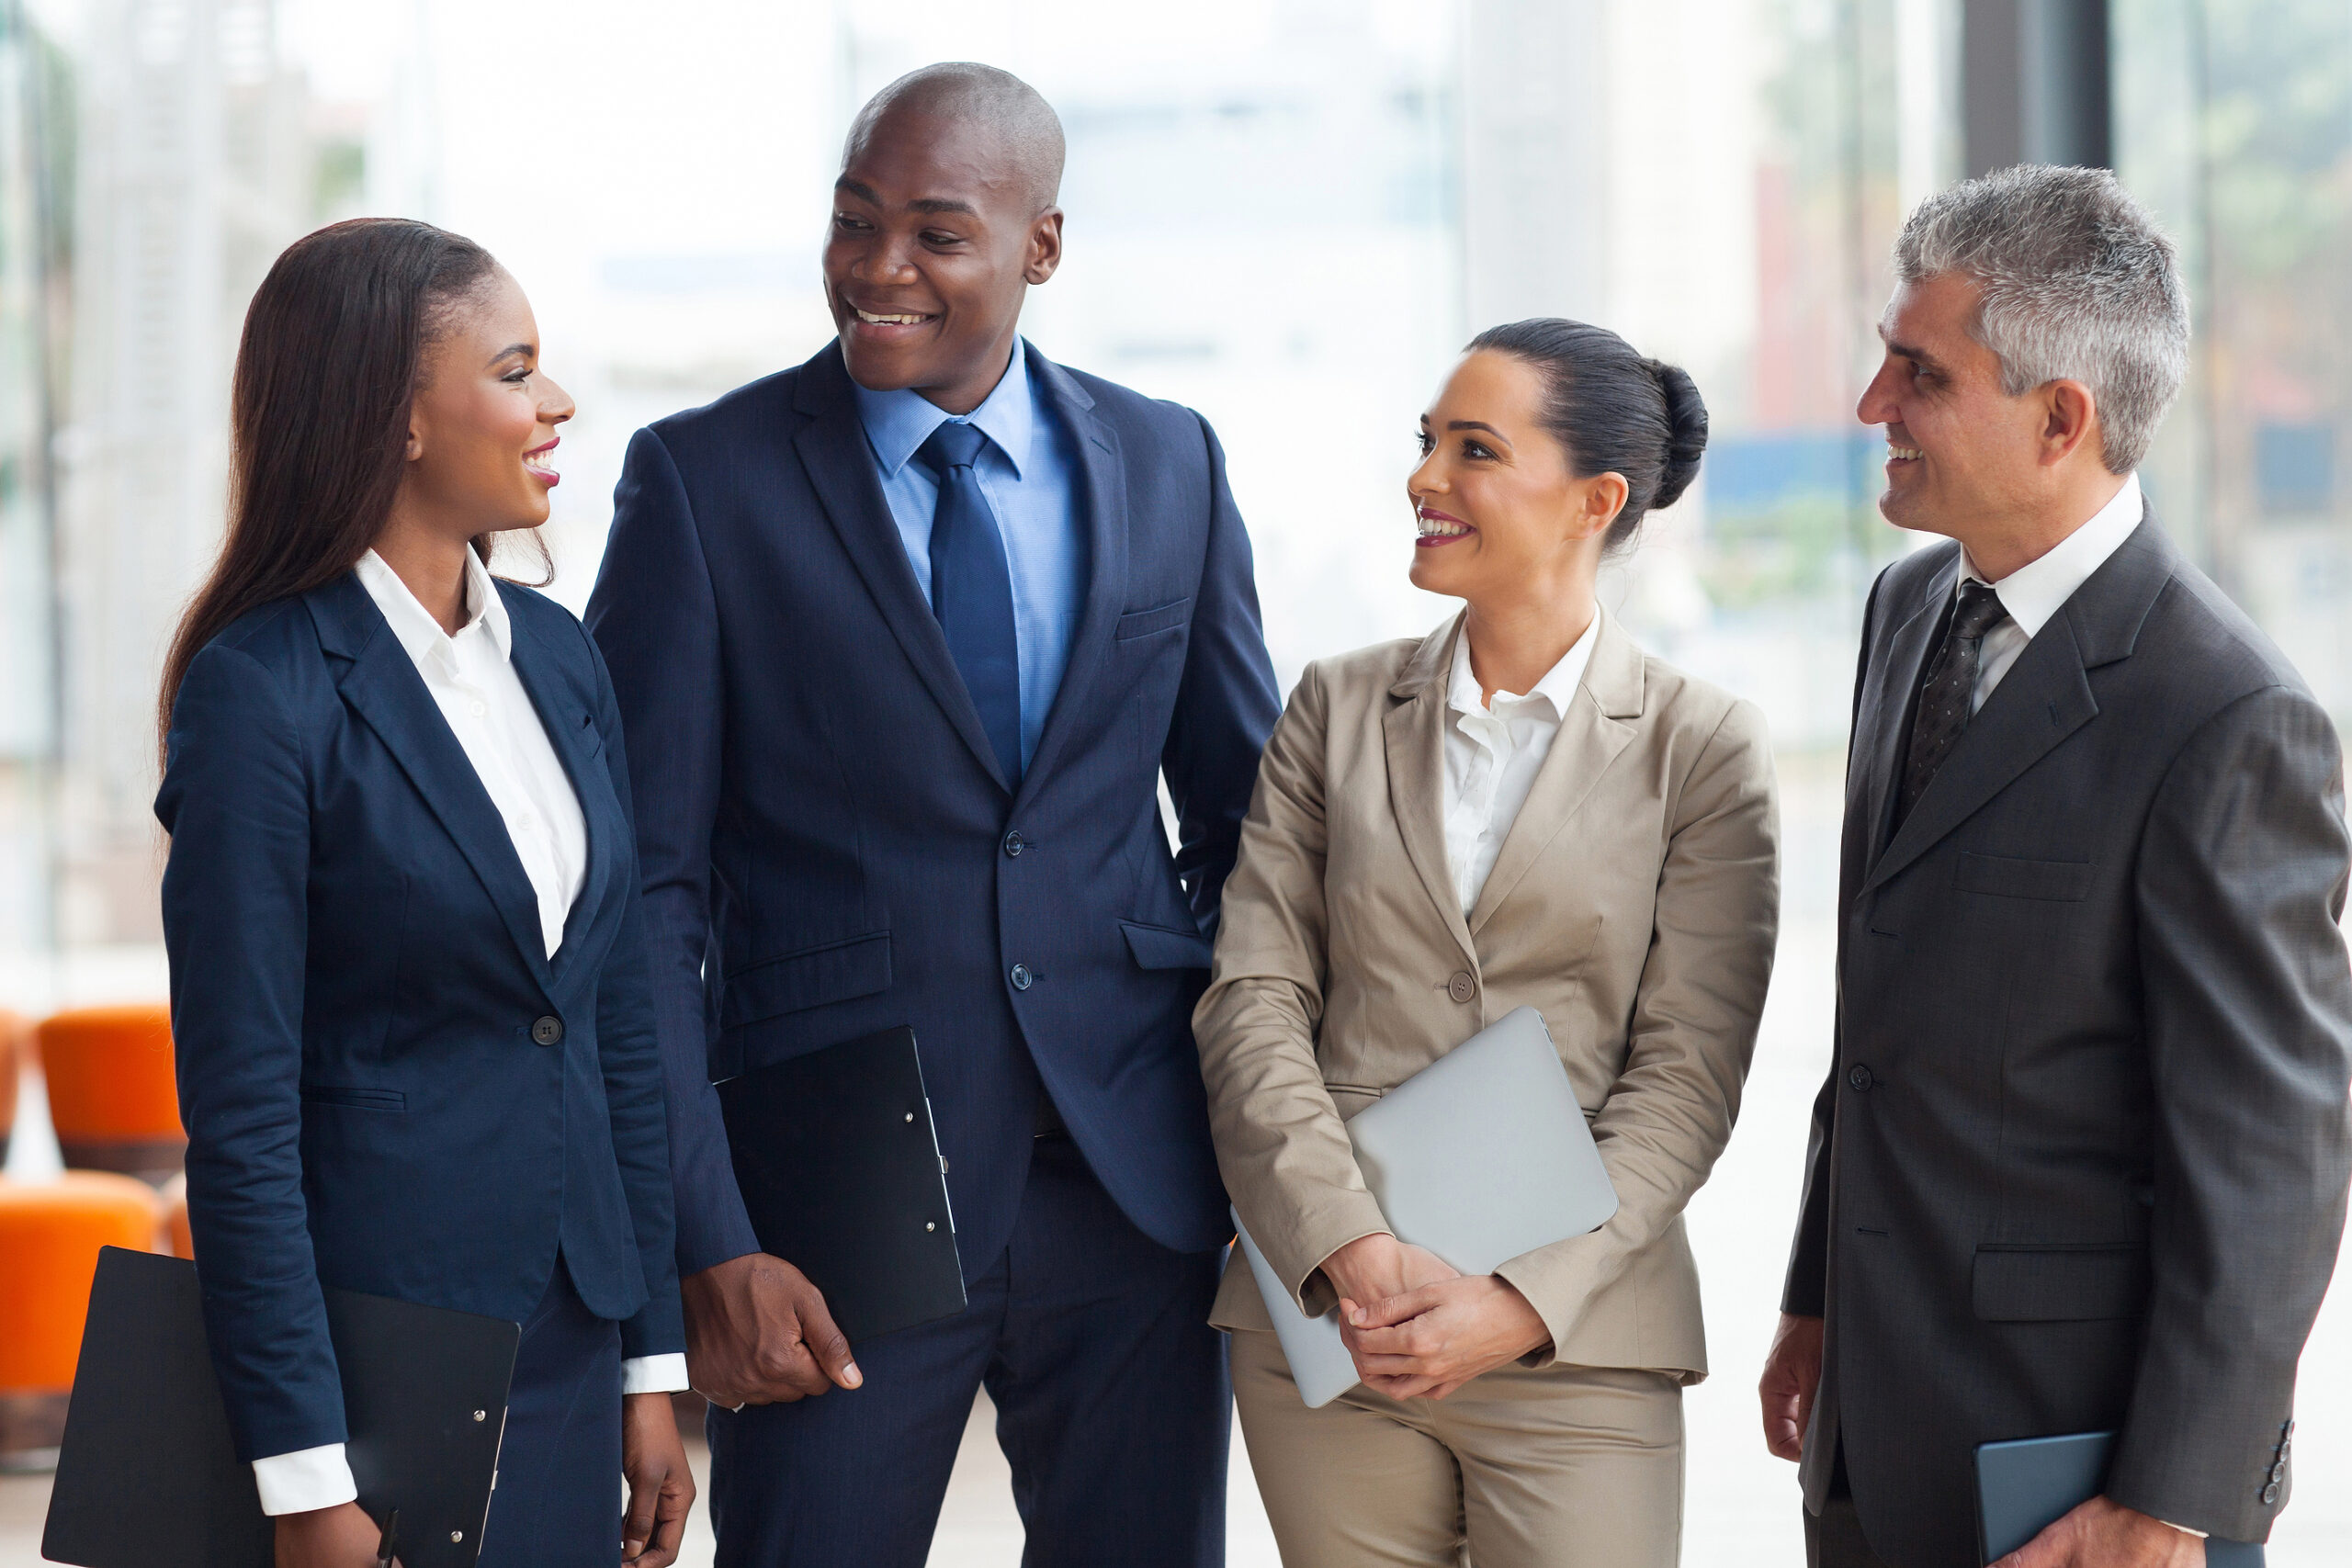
{"x": 906, "y": 640}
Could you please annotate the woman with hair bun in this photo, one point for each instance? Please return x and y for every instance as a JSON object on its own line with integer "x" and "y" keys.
{"x": 1521, "y": 808}
{"x": 410, "y": 995}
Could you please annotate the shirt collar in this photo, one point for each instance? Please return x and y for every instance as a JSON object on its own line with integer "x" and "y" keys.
{"x": 2038, "y": 589}
{"x": 897, "y": 423}
{"x": 420, "y": 635}
{"x": 1558, "y": 686}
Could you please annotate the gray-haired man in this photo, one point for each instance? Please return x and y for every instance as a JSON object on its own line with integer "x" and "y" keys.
{"x": 2081, "y": 1160}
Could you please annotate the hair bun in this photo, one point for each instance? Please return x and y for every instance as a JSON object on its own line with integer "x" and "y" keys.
{"x": 1686, "y": 423}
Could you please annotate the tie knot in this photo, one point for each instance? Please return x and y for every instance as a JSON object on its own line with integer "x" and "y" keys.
{"x": 1980, "y": 611}
{"x": 952, "y": 445}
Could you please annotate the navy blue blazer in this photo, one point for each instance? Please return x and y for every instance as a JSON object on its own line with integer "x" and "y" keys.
{"x": 386, "y": 1084}
{"x": 829, "y": 848}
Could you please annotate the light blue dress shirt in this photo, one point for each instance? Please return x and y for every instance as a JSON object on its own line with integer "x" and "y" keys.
{"x": 1029, "y": 472}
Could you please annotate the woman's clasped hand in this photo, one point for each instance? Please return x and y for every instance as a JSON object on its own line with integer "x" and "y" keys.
{"x": 1417, "y": 1328}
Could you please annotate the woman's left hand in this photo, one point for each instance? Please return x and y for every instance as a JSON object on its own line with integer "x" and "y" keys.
{"x": 660, "y": 1487}
{"x": 1429, "y": 1342}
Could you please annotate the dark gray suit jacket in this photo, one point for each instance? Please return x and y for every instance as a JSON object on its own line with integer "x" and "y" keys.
{"x": 2082, "y": 1157}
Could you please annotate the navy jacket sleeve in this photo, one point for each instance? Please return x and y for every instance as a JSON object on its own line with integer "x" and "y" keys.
{"x": 236, "y": 801}
{"x": 631, "y": 1053}
{"x": 1225, "y": 705}
{"x": 655, "y": 617}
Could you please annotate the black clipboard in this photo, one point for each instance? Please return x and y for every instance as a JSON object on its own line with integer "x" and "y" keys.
{"x": 149, "y": 1476}
{"x": 2027, "y": 1485}
{"x": 840, "y": 1169}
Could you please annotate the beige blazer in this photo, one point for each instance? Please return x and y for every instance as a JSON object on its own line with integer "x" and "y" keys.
{"x": 1635, "y": 903}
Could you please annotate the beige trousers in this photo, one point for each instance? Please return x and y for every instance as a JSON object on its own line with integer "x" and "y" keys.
{"x": 1566, "y": 1467}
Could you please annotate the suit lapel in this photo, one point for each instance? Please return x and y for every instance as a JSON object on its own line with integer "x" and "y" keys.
{"x": 839, "y": 463}
{"x": 1102, "y": 498}
{"x": 1414, "y": 734}
{"x": 1880, "y": 731}
{"x": 383, "y": 687}
{"x": 563, "y": 714}
{"x": 1592, "y": 732}
{"x": 2044, "y": 698}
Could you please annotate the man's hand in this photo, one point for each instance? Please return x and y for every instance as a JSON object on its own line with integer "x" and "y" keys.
{"x": 1792, "y": 1377}
{"x": 757, "y": 1332}
{"x": 660, "y": 1487}
{"x": 2101, "y": 1534}
{"x": 1375, "y": 1267}
{"x": 340, "y": 1536}
{"x": 1430, "y": 1341}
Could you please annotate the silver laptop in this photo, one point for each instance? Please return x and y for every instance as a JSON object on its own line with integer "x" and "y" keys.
{"x": 1480, "y": 1156}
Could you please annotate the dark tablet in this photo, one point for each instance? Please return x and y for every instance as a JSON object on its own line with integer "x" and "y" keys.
{"x": 2024, "y": 1487}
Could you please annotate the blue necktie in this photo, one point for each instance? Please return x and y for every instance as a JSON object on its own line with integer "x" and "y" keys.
{"x": 971, "y": 590}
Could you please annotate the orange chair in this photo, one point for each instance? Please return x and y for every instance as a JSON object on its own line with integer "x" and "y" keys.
{"x": 12, "y": 1030}
{"x": 49, "y": 1236}
{"x": 111, "y": 1095}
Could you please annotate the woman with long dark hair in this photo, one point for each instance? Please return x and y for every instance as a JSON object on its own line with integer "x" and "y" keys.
{"x": 409, "y": 985}
{"x": 1521, "y": 809}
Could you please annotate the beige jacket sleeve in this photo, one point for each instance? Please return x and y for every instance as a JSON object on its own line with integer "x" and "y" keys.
{"x": 1281, "y": 1145}
{"x": 1693, "y": 1028}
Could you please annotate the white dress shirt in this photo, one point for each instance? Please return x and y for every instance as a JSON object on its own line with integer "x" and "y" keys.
{"x": 2037, "y": 591}
{"x": 1492, "y": 755}
{"x": 472, "y": 678}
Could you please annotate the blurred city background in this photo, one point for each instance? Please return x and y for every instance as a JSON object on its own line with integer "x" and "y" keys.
{"x": 1286, "y": 213}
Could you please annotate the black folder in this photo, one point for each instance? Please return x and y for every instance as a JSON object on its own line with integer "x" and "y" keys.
{"x": 2024, "y": 1487}
{"x": 840, "y": 1168}
{"x": 148, "y": 1477}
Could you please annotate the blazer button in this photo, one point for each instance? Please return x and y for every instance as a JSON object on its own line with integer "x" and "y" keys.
{"x": 1014, "y": 843}
{"x": 1859, "y": 1077}
{"x": 548, "y": 1030}
{"x": 2271, "y": 1494}
{"x": 1463, "y": 987}
{"x": 1021, "y": 978}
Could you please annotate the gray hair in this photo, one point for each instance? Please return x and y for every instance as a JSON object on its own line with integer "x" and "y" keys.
{"x": 2079, "y": 284}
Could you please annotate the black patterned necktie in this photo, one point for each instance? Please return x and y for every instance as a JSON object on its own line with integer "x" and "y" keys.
{"x": 1945, "y": 697}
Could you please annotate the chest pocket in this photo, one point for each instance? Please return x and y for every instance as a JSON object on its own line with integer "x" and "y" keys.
{"x": 2053, "y": 880}
{"x": 1143, "y": 623}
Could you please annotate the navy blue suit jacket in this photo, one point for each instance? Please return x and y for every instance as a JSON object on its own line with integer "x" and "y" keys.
{"x": 828, "y": 845}
{"x": 358, "y": 967}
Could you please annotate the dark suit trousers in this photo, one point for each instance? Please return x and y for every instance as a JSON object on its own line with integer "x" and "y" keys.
{"x": 558, "y": 1496}
{"x": 1833, "y": 1537}
{"x": 1111, "y": 1403}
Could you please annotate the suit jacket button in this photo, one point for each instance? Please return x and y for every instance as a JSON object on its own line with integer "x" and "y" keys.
{"x": 1021, "y": 978}
{"x": 2270, "y": 1493}
{"x": 548, "y": 1030}
{"x": 1859, "y": 1077}
{"x": 1463, "y": 987}
{"x": 2278, "y": 1470}
{"x": 1014, "y": 843}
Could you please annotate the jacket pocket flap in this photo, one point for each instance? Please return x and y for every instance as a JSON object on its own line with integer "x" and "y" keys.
{"x": 358, "y": 1098}
{"x": 832, "y": 972}
{"x": 1156, "y": 947}
{"x": 1143, "y": 623}
{"x": 2061, "y": 881}
{"x": 2059, "y": 1284}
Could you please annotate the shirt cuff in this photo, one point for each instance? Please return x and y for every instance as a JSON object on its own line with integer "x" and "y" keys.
{"x": 305, "y": 1479}
{"x": 655, "y": 1374}
{"x": 2184, "y": 1530}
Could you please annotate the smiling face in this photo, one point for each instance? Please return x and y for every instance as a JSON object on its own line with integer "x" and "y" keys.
{"x": 1962, "y": 454}
{"x": 1500, "y": 514}
{"x": 934, "y": 241}
{"x": 481, "y": 428}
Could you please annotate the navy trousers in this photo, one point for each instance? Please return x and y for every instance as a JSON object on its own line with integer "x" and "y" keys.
{"x": 1113, "y": 1407}
{"x": 558, "y": 1495}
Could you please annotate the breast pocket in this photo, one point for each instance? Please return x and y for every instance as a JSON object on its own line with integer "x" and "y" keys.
{"x": 2053, "y": 881}
{"x": 1144, "y": 622}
